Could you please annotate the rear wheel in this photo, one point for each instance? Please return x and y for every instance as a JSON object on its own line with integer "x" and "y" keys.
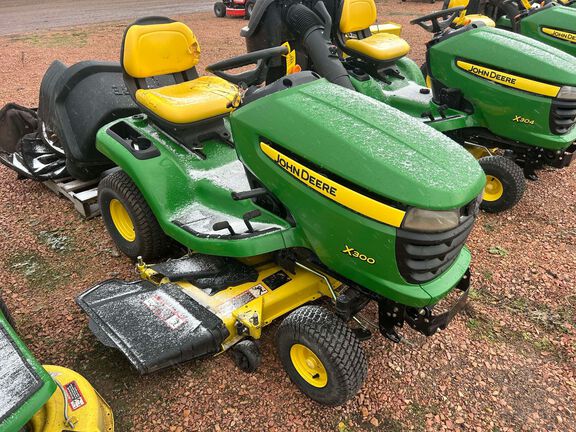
{"x": 219, "y": 9}
{"x": 129, "y": 220}
{"x": 321, "y": 355}
{"x": 505, "y": 183}
{"x": 249, "y": 8}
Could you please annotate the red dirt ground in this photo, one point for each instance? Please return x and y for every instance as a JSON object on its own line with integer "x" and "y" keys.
{"x": 507, "y": 364}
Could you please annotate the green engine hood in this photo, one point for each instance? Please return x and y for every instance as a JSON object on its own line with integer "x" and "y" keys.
{"x": 503, "y": 49}
{"x": 367, "y": 143}
{"x": 544, "y": 24}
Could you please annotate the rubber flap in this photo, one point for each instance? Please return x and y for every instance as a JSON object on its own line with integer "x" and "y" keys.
{"x": 154, "y": 326}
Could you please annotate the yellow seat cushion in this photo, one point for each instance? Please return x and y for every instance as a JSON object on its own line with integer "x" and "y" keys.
{"x": 392, "y": 28}
{"x": 380, "y": 46}
{"x": 191, "y": 101}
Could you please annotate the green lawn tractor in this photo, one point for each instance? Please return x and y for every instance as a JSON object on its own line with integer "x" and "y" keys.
{"x": 549, "y": 22}
{"x": 508, "y": 99}
{"x": 36, "y": 398}
{"x": 290, "y": 196}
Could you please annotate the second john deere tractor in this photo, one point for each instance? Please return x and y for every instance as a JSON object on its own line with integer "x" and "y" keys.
{"x": 549, "y": 22}
{"x": 510, "y": 100}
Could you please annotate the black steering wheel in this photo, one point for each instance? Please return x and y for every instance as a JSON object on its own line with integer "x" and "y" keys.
{"x": 252, "y": 77}
{"x": 436, "y": 25}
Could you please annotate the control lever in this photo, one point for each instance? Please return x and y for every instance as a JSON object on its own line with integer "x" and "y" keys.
{"x": 238, "y": 196}
{"x": 219, "y": 226}
{"x": 251, "y": 215}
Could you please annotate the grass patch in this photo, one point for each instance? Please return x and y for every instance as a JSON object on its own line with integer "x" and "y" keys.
{"x": 54, "y": 40}
{"x": 484, "y": 329}
{"x": 498, "y": 250}
{"x": 488, "y": 227}
{"x": 37, "y": 270}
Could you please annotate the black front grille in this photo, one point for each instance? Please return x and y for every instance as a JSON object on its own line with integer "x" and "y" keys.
{"x": 422, "y": 257}
{"x": 562, "y": 116}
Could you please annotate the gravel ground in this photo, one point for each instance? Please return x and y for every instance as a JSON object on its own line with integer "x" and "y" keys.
{"x": 507, "y": 364}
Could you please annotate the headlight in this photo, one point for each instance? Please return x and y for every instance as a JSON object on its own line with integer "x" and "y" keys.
{"x": 431, "y": 220}
{"x": 567, "y": 92}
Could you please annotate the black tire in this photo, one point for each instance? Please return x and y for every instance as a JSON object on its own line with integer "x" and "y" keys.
{"x": 511, "y": 180}
{"x": 249, "y": 5}
{"x": 219, "y": 9}
{"x": 246, "y": 355}
{"x": 150, "y": 242}
{"x": 333, "y": 343}
{"x": 6, "y": 313}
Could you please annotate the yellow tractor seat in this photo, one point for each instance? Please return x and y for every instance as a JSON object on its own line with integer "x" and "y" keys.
{"x": 191, "y": 101}
{"x": 467, "y": 19}
{"x": 380, "y": 46}
{"x": 159, "y": 58}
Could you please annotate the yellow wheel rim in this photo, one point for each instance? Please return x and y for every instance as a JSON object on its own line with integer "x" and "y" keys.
{"x": 428, "y": 81}
{"x": 308, "y": 365}
{"x": 494, "y": 189}
{"x": 122, "y": 220}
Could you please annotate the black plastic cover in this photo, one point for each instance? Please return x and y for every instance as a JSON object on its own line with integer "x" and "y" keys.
{"x": 76, "y": 102}
{"x": 154, "y": 326}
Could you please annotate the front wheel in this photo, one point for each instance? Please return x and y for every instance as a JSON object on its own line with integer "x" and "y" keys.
{"x": 505, "y": 183}
{"x": 129, "y": 220}
{"x": 219, "y": 9}
{"x": 321, "y": 355}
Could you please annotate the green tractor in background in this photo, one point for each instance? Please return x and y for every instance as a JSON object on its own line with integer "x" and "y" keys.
{"x": 289, "y": 193}
{"x": 508, "y": 99}
{"x": 549, "y": 22}
{"x": 36, "y": 398}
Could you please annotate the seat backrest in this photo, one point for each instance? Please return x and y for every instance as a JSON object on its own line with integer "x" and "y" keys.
{"x": 455, "y": 3}
{"x": 156, "y": 46}
{"x": 357, "y": 15}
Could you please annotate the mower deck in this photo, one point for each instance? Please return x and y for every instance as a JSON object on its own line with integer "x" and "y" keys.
{"x": 153, "y": 326}
{"x": 193, "y": 307}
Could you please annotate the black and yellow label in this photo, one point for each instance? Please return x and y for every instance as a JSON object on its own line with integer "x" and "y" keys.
{"x": 510, "y": 80}
{"x": 560, "y": 34}
{"x": 344, "y": 196}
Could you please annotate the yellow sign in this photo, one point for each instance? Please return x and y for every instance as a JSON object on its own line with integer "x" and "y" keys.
{"x": 336, "y": 192}
{"x": 510, "y": 80}
{"x": 291, "y": 66}
{"x": 560, "y": 34}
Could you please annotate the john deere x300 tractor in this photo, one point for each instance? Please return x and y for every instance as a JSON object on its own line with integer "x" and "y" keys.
{"x": 509, "y": 99}
{"x": 299, "y": 191}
